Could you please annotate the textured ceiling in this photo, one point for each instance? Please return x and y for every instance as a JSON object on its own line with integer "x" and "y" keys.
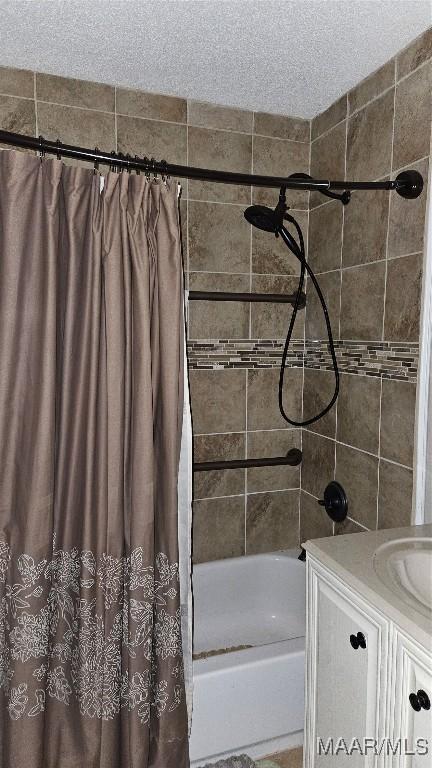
{"x": 284, "y": 56}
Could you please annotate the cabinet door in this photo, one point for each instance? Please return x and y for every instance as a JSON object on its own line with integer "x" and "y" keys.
{"x": 413, "y": 718}
{"x": 345, "y": 684}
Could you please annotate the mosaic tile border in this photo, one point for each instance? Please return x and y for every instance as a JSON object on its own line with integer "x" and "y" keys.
{"x": 243, "y": 353}
{"x": 390, "y": 360}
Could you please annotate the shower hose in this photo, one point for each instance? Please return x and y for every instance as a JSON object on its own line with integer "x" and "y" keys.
{"x": 299, "y": 250}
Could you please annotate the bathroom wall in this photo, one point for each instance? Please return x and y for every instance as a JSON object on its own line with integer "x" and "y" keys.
{"x": 369, "y": 260}
{"x": 234, "y": 349}
{"x": 368, "y": 257}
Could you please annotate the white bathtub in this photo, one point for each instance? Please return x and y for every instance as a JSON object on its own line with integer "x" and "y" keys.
{"x": 249, "y": 700}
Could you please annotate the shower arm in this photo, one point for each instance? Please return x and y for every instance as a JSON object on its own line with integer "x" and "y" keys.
{"x": 408, "y": 184}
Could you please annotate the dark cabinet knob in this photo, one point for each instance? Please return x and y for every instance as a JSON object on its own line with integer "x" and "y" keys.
{"x": 419, "y": 700}
{"x": 358, "y": 640}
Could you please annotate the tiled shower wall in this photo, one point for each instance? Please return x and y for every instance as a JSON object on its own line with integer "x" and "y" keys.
{"x": 369, "y": 259}
{"x": 234, "y": 349}
{"x": 234, "y": 406}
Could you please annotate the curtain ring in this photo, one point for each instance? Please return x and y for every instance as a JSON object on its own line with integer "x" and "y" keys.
{"x": 58, "y": 143}
{"x": 96, "y": 162}
{"x": 41, "y": 148}
{"x": 137, "y": 170}
{"x": 164, "y": 173}
{"x": 153, "y": 168}
{"x": 147, "y": 170}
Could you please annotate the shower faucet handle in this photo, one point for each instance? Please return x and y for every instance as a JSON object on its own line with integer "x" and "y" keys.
{"x": 335, "y": 502}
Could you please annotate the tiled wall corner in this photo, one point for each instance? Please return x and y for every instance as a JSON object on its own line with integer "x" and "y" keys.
{"x": 370, "y": 270}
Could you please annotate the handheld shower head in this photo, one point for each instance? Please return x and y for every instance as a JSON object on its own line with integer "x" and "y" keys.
{"x": 270, "y": 220}
{"x": 262, "y": 217}
{"x": 267, "y": 219}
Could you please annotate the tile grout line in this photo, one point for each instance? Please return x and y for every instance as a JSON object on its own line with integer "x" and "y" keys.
{"x": 304, "y": 333}
{"x": 408, "y": 166}
{"x": 251, "y": 493}
{"x": 35, "y": 104}
{"x": 375, "y": 98}
{"x": 340, "y": 291}
{"x": 20, "y": 98}
{"x": 384, "y": 305}
{"x": 115, "y": 120}
{"x": 187, "y": 195}
{"x": 250, "y": 336}
{"x": 253, "y": 431}
{"x": 191, "y": 125}
{"x": 241, "y": 205}
{"x": 368, "y": 263}
{"x": 413, "y": 71}
{"x": 328, "y": 130}
{"x": 361, "y": 450}
{"x": 379, "y": 455}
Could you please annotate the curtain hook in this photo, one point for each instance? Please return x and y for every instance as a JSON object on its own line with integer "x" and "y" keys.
{"x": 96, "y": 162}
{"x": 137, "y": 170}
{"x": 164, "y": 174}
{"x": 58, "y": 143}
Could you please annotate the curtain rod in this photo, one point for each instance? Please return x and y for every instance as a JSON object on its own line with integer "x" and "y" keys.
{"x": 408, "y": 184}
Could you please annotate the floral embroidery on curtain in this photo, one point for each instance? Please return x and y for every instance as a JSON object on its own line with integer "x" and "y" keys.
{"x": 50, "y": 614}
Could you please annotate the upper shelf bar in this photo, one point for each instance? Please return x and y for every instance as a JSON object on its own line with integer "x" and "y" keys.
{"x": 408, "y": 184}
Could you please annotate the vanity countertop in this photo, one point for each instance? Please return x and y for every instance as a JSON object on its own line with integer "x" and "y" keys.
{"x": 350, "y": 558}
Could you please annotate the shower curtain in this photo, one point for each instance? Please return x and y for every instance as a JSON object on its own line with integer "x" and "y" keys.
{"x": 91, "y": 405}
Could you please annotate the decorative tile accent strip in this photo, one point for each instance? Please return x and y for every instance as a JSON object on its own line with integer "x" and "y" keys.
{"x": 391, "y": 360}
{"x": 243, "y": 353}
{"x": 388, "y": 359}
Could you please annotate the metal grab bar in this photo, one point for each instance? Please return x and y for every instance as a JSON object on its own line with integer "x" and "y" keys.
{"x": 277, "y": 298}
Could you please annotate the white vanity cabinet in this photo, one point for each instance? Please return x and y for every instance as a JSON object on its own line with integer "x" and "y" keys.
{"x": 347, "y": 652}
{"x": 413, "y": 683}
{"x": 360, "y": 673}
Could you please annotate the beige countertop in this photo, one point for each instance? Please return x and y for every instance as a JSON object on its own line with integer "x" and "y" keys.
{"x": 350, "y": 558}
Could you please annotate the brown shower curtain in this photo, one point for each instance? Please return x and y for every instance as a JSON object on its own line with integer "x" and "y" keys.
{"x": 91, "y": 399}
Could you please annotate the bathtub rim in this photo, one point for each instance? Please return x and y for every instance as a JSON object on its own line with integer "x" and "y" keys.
{"x": 248, "y": 656}
{"x": 279, "y": 554}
